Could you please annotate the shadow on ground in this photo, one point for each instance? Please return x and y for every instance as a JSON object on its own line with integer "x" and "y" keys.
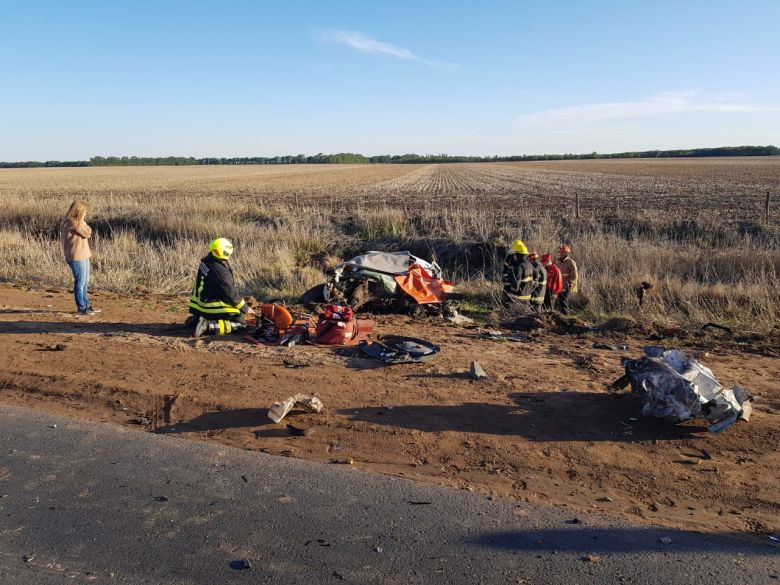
{"x": 220, "y": 420}
{"x": 537, "y": 416}
{"x": 585, "y": 539}
{"x": 84, "y": 325}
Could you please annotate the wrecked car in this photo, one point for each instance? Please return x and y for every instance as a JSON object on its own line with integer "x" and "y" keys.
{"x": 390, "y": 281}
{"x": 675, "y": 387}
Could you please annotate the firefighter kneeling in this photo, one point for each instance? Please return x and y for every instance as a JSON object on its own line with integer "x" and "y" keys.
{"x": 215, "y": 302}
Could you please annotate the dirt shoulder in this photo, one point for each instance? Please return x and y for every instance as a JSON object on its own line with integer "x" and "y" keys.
{"x": 544, "y": 427}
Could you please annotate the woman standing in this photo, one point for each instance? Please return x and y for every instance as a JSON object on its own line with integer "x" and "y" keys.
{"x": 75, "y": 233}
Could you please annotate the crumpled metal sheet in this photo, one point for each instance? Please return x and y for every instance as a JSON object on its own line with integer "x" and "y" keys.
{"x": 280, "y": 409}
{"x": 676, "y": 387}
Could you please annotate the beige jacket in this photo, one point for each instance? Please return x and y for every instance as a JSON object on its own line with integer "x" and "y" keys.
{"x": 74, "y": 238}
{"x": 569, "y": 273}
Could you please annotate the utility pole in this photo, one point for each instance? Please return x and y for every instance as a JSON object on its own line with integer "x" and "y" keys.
{"x": 766, "y": 209}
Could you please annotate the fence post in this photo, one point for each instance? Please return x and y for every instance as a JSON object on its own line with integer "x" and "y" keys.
{"x": 577, "y": 205}
{"x": 766, "y": 209}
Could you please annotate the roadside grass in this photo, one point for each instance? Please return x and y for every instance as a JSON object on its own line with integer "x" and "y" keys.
{"x": 289, "y": 229}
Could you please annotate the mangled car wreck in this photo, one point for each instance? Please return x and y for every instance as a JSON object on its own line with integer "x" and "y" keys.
{"x": 676, "y": 387}
{"x": 391, "y": 281}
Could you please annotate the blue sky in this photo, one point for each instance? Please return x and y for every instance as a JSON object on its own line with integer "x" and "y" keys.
{"x": 261, "y": 78}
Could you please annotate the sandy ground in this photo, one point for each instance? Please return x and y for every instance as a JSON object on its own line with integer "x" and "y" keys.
{"x": 544, "y": 428}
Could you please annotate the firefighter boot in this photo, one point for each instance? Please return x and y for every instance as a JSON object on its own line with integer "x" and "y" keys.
{"x": 217, "y": 327}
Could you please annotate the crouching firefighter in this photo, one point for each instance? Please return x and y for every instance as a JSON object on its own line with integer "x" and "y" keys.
{"x": 215, "y": 302}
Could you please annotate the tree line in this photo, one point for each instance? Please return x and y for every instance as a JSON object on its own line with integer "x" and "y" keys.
{"x": 353, "y": 158}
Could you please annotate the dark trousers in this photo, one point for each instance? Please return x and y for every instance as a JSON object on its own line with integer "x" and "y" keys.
{"x": 549, "y": 300}
{"x": 563, "y": 301}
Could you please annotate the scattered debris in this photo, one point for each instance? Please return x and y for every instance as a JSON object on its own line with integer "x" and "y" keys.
{"x": 604, "y": 499}
{"x": 419, "y": 503}
{"x": 300, "y": 431}
{"x": 676, "y": 387}
{"x": 142, "y": 420}
{"x": 399, "y": 350}
{"x": 241, "y": 565}
{"x": 591, "y": 558}
{"x": 244, "y": 477}
{"x": 161, "y": 499}
{"x": 347, "y": 461}
{"x": 477, "y": 372}
{"x": 52, "y": 426}
{"x": 55, "y": 347}
{"x": 280, "y": 409}
{"x": 339, "y": 576}
{"x": 458, "y": 319}
{"x": 665, "y": 540}
{"x": 28, "y": 558}
{"x": 495, "y": 335}
{"x": 378, "y": 549}
{"x": 574, "y": 521}
{"x": 723, "y": 328}
{"x": 641, "y": 290}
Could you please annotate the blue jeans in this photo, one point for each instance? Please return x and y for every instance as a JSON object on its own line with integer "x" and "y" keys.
{"x": 80, "y": 269}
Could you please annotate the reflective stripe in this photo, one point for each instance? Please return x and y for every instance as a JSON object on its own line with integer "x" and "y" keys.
{"x": 518, "y": 297}
{"x": 215, "y": 304}
{"x": 213, "y": 311}
{"x": 527, "y": 279}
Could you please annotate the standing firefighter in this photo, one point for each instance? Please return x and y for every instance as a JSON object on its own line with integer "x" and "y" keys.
{"x": 540, "y": 282}
{"x": 518, "y": 274}
{"x": 215, "y": 300}
{"x": 554, "y": 282}
{"x": 569, "y": 275}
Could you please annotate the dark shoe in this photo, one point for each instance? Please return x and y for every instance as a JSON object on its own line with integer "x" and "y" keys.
{"x": 94, "y": 310}
{"x": 88, "y": 312}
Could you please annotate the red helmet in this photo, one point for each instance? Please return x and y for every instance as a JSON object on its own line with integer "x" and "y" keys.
{"x": 546, "y": 259}
{"x": 564, "y": 249}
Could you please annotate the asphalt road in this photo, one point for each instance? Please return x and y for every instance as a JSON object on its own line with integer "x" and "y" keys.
{"x": 96, "y": 503}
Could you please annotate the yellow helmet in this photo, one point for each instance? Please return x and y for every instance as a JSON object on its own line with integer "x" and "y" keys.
{"x": 221, "y": 248}
{"x": 518, "y": 247}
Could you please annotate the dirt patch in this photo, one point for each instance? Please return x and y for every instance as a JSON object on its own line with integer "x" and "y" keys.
{"x": 543, "y": 427}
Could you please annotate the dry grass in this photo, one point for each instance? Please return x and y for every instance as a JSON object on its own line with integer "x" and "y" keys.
{"x": 691, "y": 227}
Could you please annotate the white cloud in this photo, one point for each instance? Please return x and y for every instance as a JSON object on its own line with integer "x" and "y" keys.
{"x": 365, "y": 44}
{"x": 659, "y": 105}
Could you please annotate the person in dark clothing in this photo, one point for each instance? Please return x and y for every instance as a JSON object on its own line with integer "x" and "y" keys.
{"x": 215, "y": 302}
{"x": 518, "y": 275}
{"x": 540, "y": 282}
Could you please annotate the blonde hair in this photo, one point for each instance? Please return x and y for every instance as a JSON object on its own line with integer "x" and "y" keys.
{"x": 77, "y": 211}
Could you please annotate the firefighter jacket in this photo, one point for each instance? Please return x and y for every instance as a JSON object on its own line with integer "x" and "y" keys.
{"x": 540, "y": 283}
{"x": 568, "y": 273}
{"x": 518, "y": 276}
{"x": 554, "y": 279}
{"x": 214, "y": 295}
